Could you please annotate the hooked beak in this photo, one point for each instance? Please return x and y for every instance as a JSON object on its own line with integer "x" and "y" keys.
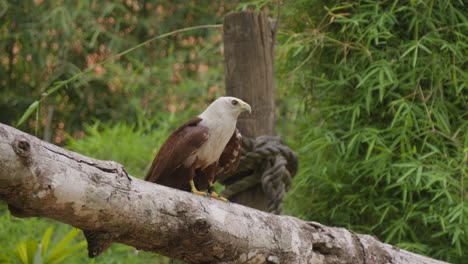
{"x": 246, "y": 107}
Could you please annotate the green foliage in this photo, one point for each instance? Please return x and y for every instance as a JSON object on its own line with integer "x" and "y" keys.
{"x": 55, "y": 53}
{"x": 383, "y": 133}
{"x": 377, "y": 90}
{"x": 61, "y": 84}
{"x": 48, "y": 249}
{"x": 21, "y": 237}
{"x": 134, "y": 146}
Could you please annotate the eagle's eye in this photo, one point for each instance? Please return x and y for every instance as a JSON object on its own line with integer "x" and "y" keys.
{"x": 234, "y": 102}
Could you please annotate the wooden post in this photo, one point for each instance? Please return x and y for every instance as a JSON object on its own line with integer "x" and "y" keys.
{"x": 248, "y": 54}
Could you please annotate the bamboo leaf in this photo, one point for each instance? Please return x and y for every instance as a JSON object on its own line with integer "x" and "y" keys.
{"x": 60, "y": 250}
{"x": 68, "y": 252}
{"x": 425, "y": 48}
{"x": 415, "y": 56}
{"x": 46, "y": 240}
{"x": 28, "y": 113}
{"x": 22, "y": 252}
{"x": 370, "y": 148}
{"x": 370, "y": 74}
{"x": 26, "y": 251}
{"x": 418, "y": 175}
{"x": 407, "y": 173}
{"x": 408, "y": 51}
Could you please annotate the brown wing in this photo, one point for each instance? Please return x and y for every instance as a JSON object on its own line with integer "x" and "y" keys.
{"x": 167, "y": 167}
{"x": 229, "y": 159}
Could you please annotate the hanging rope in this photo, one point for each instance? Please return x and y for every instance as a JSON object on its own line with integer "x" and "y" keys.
{"x": 264, "y": 160}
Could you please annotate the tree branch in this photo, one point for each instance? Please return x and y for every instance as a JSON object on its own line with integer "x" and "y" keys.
{"x": 40, "y": 179}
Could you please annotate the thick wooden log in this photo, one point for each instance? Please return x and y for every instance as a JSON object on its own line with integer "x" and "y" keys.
{"x": 248, "y": 55}
{"x": 40, "y": 179}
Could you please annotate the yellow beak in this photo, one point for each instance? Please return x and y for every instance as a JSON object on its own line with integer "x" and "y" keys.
{"x": 246, "y": 107}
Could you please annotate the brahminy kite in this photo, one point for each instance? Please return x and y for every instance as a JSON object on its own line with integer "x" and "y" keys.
{"x": 200, "y": 149}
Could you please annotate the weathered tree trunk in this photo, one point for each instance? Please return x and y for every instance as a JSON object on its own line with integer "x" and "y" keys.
{"x": 248, "y": 55}
{"x": 40, "y": 179}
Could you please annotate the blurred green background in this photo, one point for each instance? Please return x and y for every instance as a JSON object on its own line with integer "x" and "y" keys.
{"x": 371, "y": 94}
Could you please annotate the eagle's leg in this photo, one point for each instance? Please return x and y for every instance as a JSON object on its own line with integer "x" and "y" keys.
{"x": 194, "y": 189}
{"x": 213, "y": 194}
{"x": 211, "y": 170}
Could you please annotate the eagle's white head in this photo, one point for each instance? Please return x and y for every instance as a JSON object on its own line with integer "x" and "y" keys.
{"x": 220, "y": 118}
{"x": 225, "y": 107}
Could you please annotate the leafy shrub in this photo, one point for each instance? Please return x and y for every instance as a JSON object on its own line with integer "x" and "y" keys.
{"x": 20, "y": 240}
{"x": 133, "y": 146}
{"x": 383, "y": 131}
{"x": 30, "y": 250}
{"x": 48, "y": 42}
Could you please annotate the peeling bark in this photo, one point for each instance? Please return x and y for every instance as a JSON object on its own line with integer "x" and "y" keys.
{"x": 40, "y": 179}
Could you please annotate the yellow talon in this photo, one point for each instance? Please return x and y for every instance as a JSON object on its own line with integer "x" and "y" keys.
{"x": 195, "y": 191}
{"x": 214, "y": 194}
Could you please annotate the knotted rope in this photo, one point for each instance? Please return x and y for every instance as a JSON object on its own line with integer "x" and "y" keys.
{"x": 264, "y": 160}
